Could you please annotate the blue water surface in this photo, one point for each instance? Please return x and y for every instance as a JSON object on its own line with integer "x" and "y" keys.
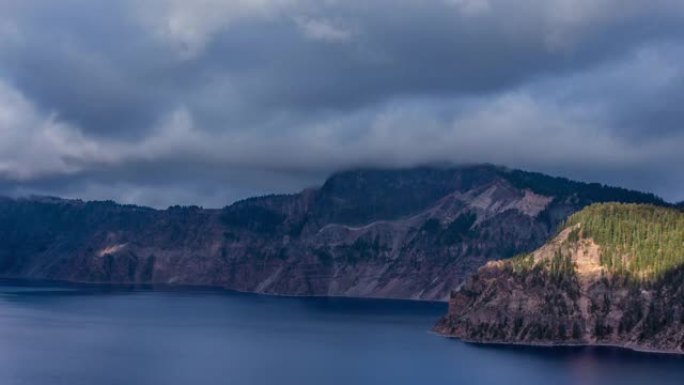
{"x": 75, "y": 335}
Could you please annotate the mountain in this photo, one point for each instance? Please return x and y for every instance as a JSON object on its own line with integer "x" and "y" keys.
{"x": 614, "y": 275}
{"x": 410, "y": 233}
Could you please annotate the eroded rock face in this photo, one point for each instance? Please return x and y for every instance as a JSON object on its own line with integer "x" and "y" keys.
{"x": 412, "y": 233}
{"x": 561, "y": 294}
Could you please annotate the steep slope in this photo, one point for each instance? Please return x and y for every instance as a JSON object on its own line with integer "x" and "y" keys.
{"x": 614, "y": 275}
{"x": 413, "y": 233}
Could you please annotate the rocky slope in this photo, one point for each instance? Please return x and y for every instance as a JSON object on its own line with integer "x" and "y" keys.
{"x": 413, "y": 233}
{"x": 613, "y": 276}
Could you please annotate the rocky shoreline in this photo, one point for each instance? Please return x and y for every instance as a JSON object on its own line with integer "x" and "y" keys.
{"x": 560, "y": 344}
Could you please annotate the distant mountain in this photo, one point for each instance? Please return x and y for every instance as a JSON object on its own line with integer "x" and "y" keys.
{"x": 614, "y": 275}
{"x": 410, "y": 233}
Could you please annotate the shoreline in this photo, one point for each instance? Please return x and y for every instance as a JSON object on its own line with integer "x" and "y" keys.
{"x": 632, "y": 348}
{"x": 214, "y": 288}
{"x": 160, "y": 287}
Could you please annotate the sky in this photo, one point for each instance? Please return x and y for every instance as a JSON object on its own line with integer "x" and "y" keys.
{"x": 163, "y": 102}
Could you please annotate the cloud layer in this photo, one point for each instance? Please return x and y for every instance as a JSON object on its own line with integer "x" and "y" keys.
{"x": 204, "y": 102}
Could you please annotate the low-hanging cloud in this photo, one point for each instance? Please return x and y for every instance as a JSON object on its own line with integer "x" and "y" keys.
{"x": 167, "y": 101}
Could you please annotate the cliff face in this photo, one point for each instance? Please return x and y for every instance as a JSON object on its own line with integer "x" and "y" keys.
{"x": 577, "y": 290}
{"x": 412, "y": 233}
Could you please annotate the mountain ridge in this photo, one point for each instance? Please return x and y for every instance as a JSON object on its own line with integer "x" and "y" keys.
{"x": 408, "y": 233}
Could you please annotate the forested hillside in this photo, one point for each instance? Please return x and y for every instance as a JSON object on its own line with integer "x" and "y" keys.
{"x": 642, "y": 241}
{"x": 614, "y": 274}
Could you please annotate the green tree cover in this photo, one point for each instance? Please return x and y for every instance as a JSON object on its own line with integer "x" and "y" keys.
{"x": 583, "y": 192}
{"x": 641, "y": 242}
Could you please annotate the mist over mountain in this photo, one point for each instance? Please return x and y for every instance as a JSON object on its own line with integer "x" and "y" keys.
{"x": 193, "y": 191}
{"x": 168, "y": 102}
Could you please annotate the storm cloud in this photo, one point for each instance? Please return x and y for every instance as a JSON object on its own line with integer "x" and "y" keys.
{"x": 161, "y": 102}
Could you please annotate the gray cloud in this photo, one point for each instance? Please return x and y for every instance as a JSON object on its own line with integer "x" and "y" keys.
{"x": 205, "y": 102}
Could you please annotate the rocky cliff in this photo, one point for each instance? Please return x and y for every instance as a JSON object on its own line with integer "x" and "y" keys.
{"x": 613, "y": 276}
{"x": 412, "y": 233}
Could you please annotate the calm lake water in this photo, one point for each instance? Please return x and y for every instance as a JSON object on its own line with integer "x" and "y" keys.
{"x": 96, "y": 336}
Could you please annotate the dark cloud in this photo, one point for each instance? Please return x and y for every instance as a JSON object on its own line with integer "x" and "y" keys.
{"x": 206, "y": 102}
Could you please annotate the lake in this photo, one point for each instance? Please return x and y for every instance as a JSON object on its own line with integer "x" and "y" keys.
{"x": 75, "y": 335}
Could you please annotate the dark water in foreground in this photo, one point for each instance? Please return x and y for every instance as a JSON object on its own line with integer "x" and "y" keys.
{"x": 90, "y": 336}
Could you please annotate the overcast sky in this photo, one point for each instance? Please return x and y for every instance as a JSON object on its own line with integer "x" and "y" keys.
{"x": 159, "y": 102}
